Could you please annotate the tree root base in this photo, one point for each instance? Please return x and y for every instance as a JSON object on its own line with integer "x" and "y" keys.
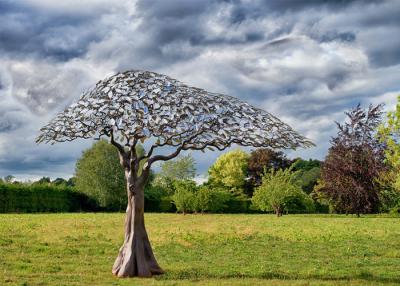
{"x": 153, "y": 273}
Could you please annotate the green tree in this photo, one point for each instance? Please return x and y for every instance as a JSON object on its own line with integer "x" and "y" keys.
{"x": 389, "y": 199}
{"x": 9, "y": 179}
{"x": 306, "y": 165}
{"x": 320, "y": 198}
{"x": 211, "y": 199}
{"x": 43, "y": 181}
{"x": 59, "y": 182}
{"x": 71, "y": 182}
{"x": 100, "y": 176}
{"x": 389, "y": 134}
{"x": 181, "y": 168}
{"x": 309, "y": 171}
{"x": 265, "y": 158}
{"x": 230, "y": 171}
{"x": 279, "y": 192}
{"x": 184, "y": 196}
{"x": 154, "y": 196}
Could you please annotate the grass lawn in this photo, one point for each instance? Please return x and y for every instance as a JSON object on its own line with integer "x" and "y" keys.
{"x": 79, "y": 249}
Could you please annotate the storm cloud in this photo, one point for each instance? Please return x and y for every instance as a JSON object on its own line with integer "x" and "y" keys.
{"x": 304, "y": 61}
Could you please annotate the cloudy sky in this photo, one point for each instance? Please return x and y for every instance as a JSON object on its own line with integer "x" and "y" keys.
{"x": 305, "y": 61}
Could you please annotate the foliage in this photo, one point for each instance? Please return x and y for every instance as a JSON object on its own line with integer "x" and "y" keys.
{"x": 389, "y": 195}
{"x": 157, "y": 200}
{"x": 306, "y": 165}
{"x": 164, "y": 183}
{"x": 279, "y": 192}
{"x": 389, "y": 199}
{"x": 230, "y": 171}
{"x": 100, "y": 176}
{"x": 321, "y": 201}
{"x": 307, "y": 179}
{"x": 190, "y": 198}
{"x": 309, "y": 171}
{"x": 60, "y": 182}
{"x": 54, "y": 197}
{"x": 211, "y": 199}
{"x": 237, "y": 204}
{"x": 71, "y": 182}
{"x": 43, "y": 181}
{"x": 389, "y": 134}
{"x": 9, "y": 178}
{"x": 42, "y": 198}
{"x": 181, "y": 168}
{"x": 265, "y": 158}
{"x": 354, "y": 162}
{"x": 152, "y": 197}
{"x": 184, "y": 196}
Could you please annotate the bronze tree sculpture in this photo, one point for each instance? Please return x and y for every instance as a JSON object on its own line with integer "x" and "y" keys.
{"x": 135, "y": 106}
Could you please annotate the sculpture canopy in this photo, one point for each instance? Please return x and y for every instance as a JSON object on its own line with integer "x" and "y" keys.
{"x": 138, "y": 105}
{"x": 141, "y": 104}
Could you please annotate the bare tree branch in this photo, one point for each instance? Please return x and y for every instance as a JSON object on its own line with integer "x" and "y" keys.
{"x": 140, "y": 105}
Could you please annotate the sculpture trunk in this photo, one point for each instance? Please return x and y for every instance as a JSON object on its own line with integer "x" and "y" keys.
{"x": 136, "y": 256}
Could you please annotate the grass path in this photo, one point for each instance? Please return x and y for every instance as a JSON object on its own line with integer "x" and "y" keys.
{"x": 79, "y": 249}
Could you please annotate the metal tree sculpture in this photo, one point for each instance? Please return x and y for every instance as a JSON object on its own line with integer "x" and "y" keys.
{"x": 134, "y": 106}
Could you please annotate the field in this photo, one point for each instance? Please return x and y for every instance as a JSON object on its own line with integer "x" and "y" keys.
{"x": 79, "y": 249}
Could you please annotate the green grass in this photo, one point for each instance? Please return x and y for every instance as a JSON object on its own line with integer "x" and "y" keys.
{"x": 79, "y": 249}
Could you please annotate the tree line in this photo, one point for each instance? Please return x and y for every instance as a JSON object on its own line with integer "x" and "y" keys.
{"x": 360, "y": 174}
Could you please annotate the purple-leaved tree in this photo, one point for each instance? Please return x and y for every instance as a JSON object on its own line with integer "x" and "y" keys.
{"x": 137, "y": 106}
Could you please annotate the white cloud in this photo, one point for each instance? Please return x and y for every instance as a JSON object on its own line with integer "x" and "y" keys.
{"x": 306, "y": 66}
{"x": 388, "y": 98}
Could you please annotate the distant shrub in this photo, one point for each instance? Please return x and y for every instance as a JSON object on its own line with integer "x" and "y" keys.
{"x": 211, "y": 200}
{"x": 395, "y": 210}
{"x": 166, "y": 205}
{"x": 237, "y": 204}
{"x": 307, "y": 179}
{"x": 184, "y": 196}
{"x": 156, "y": 199}
{"x": 389, "y": 200}
{"x": 279, "y": 193}
{"x": 321, "y": 201}
{"x": 23, "y": 198}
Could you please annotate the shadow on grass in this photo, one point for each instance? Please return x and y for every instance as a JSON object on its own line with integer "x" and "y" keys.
{"x": 198, "y": 274}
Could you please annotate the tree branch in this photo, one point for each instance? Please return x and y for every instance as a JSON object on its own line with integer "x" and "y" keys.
{"x": 124, "y": 157}
{"x": 163, "y": 157}
{"x": 174, "y": 154}
{"x": 167, "y": 141}
{"x": 116, "y": 144}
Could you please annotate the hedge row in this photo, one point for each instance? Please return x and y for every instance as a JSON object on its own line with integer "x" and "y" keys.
{"x": 166, "y": 204}
{"x": 22, "y": 198}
